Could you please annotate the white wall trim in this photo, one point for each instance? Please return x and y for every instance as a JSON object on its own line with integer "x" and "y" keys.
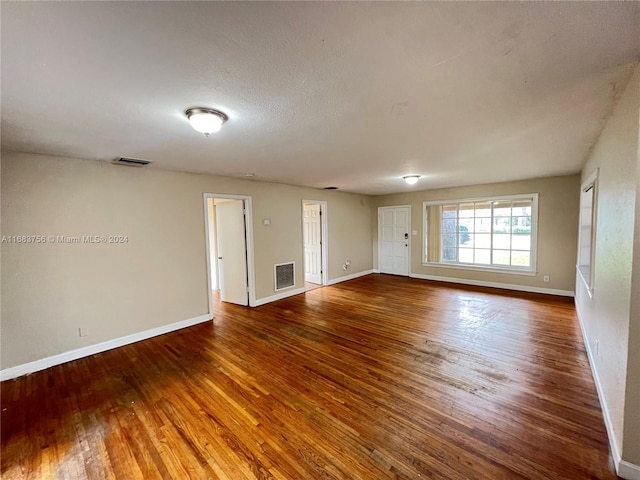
{"x": 375, "y": 270}
{"x": 37, "y": 365}
{"x": 349, "y": 277}
{"x": 624, "y": 469}
{"x": 278, "y": 296}
{"x": 506, "y": 286}
{"x": 627, "y": 470}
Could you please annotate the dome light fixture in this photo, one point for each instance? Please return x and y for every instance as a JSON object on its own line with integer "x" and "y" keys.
{"x": 411, "y": 179}
{"x": 206, "y": 120}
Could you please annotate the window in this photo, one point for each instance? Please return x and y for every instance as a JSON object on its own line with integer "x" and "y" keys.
{"x": 483, "y": 233}
{"x": 586, "y": 241}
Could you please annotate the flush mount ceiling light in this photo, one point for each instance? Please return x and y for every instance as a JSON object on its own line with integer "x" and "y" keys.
{"x": 206, "y": 120}
{"x": 411, "y": 179}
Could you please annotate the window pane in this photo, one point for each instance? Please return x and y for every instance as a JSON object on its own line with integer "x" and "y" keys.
{"x": 522, "y": 208}
{"x": 483, "y": 225}
{"x": 483, "y": 256}
{"x": 449, "y": 241}
{"x": 464, "y": 236}
{"x": 483, "y": 209}
{"x": 449, "y": 211}
{"x": 502, "y": 209}
{"x": 449, "y": 225}
{"x": 466, "y": 223}
{"x": 482, "y": 240}
{"x": 521, "y": 224}
{"x": 466, "y": 255}
{"x": 521, "y": 242}
{"x": 502, "y": 225}
{"x": 449, "y": 254}
{"x": 501, "y": 257}
{"x": 502, "y": 241}
{"x": 520, "y": 259}
{"x": 466, "y": 210}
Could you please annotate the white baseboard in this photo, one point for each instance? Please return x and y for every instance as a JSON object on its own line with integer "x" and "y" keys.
{"x": 376, "y": 270}
{"x": 506, "y": 286}
{"x": 627, "y": 470}
{"x": 278, "y": 296}
{"x": 624, "y": 469}
{"x": 37, "y": 365}
{"x": 349, "y": 277}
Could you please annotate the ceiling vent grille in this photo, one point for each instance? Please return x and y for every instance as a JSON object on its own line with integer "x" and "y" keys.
{"x": 131, "y": 162}
{"x": 285, "y": 274}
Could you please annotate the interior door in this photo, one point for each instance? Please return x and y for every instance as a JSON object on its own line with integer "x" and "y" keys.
{"x": 232, "y": 253}
{"x": 393, "y": 238}
{"x": 312, "y": 240}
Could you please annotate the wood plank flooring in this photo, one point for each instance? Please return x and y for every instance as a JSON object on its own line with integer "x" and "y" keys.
{"x": 380, "y": 377}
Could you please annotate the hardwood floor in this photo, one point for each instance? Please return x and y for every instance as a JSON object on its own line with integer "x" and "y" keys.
{"x": 380, "y": 377}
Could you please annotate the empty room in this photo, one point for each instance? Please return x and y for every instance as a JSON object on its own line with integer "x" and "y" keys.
{"x": 320, "y": 240}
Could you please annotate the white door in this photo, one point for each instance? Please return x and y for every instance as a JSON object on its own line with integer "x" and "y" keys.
{"x": 232, "y": 253}
{"x": 312, "y": 240}
{"x": 393, "y": 238}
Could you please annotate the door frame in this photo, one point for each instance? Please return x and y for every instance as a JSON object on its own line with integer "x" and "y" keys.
{"x": 248, "y": 229}
{"x": 380, "y": 209}
{"x": 324, "y": 237}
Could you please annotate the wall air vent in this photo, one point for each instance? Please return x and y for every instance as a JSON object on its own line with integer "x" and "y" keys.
{"x": 285, "y": 275}
{"x": 132, "y": 162}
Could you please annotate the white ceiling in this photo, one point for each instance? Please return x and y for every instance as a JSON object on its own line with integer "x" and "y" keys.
{"x": 352, "y": 95}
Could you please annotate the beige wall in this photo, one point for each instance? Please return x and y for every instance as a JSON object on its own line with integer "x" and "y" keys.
{"x": 159, "y": 277}
{"x": 606, "y": 316}
{"x": 558, "y": 206}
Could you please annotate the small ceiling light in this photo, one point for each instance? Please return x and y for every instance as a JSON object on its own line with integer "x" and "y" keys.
{"x": 206, "y": 120}
{"x": 411, "y": 179}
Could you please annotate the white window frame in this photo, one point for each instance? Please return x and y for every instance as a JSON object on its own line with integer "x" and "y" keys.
{"x": 589, "y": 185}
{"x": 531, "y": 271}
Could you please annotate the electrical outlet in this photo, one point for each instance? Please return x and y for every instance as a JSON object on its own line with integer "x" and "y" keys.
{"x": 83, "y": 331}
{"x": 546, "y": 279}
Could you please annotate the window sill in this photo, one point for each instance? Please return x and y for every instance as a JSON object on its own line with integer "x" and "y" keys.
{"x": 510, "y": 271}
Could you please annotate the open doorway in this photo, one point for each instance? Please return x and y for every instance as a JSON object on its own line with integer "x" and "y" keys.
{"x": 229, "y": 249}
{"x": 314, "y": 241}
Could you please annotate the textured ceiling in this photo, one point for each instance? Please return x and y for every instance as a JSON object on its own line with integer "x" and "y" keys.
{"x": 347, "y": 94}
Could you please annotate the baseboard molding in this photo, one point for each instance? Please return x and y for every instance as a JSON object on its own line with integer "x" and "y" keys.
{"x": 297, "y": 291}
{"x": 349, "y": 277}
{"x": 376, "y": 270}
{"x": 628, "y": 471}
{"x": 624, "y": 469}
{"x": 505, "y": 286}
{"x": 37, "y": 365}
{"x": 278, "y": 296}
